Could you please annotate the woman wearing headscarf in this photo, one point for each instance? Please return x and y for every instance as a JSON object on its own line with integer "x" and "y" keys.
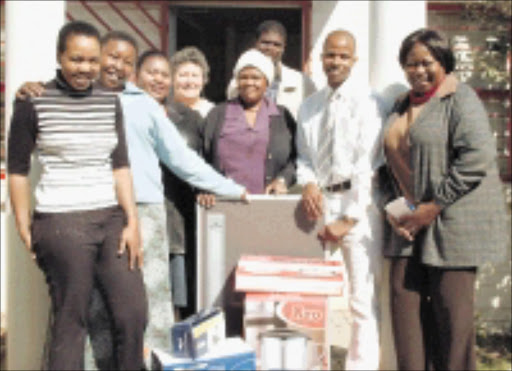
{"x": 249, "y": 138}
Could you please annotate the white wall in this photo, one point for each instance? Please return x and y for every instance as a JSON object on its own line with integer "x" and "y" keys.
{"x": 31, "y": 29}
{"x": 328, "y": 16}
{"x": 379, "y": 27}
{"x": 391, "y": 22}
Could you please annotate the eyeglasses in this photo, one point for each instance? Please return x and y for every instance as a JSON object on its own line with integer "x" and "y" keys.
{"x": 413, "y": 65}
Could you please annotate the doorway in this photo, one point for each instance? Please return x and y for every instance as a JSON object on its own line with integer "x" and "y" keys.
{"x": 223, "y": 33}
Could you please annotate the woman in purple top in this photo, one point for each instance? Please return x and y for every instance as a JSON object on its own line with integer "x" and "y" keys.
{"x": 249, "y": 138}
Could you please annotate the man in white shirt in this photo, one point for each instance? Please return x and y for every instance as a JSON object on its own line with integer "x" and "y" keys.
{"x": 289, "y": 87}
{"x": 338, "y": 144}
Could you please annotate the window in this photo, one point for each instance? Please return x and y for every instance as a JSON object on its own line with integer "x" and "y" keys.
{"x": 480, "y": 37}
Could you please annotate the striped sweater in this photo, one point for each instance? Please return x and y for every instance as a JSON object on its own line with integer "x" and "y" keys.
{"x": 78, "y": 138}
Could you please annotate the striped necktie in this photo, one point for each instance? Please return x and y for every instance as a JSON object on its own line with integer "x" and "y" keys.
{"x": 326, "y": 143}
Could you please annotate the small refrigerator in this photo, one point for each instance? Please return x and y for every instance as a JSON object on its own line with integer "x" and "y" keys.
{"x": 267, "y": 225}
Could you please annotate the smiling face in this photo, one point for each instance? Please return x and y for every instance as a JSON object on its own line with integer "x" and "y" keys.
{"x": 422, "y": 70}
{"x": 117, "y": 63}
{"x": 188, "y": 82}
{"x": 338, "y": 58}
{"x": 80, "y": 61}
{"x": 154, "y": 76}
{"x": 252, "y": 85}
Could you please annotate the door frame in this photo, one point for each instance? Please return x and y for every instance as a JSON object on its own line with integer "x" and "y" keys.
{"x": 305, "y": 5}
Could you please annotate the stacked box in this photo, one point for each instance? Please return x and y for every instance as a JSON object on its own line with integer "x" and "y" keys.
{"x": 289, "y": 274}
{"x": 229, "y": 354}
{"x": 306, "y": 314}
{"x": 199, "y": 333}
{"x": 279, "y": 294}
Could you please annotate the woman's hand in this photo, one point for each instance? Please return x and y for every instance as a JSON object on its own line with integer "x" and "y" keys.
{"x": 131, "y": 239}
{"x": 206, "y": 200}
{"x": 26, "y": 237}
{"x": 245, "y": 196}
{"x": 409, "y": 225}
{"x": 19, "y": 192}
{"x": 312, "y": 201}
{"x": 423, "y": 216}
{"x": 30, "y": 89}
{"x": 401, "y": 231}
{"x": 130, "y": 236}
{"x": 278, "y": 187}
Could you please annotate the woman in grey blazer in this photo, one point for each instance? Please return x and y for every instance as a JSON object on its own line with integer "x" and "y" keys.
{"x": 441, "y": 157}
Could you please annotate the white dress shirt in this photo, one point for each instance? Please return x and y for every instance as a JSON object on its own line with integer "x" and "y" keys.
{"x": 357, "y": 148}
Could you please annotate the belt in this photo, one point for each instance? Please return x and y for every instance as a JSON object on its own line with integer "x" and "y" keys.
{"x": 338, "y": 187}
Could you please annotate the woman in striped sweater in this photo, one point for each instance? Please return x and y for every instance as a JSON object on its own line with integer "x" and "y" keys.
{"x": 85, "y": 217}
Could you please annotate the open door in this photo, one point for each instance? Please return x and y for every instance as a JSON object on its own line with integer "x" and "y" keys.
{"x": 223, "y": 33}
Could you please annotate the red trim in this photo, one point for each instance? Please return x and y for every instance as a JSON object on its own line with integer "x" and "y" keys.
{"x": 3, "y": 174}
{"x": 131, "y": 24}
{"x": 95, "y": 15}
{"x": 146, "y": 13}
{"x": 69, "y": 17}
{"x": 496, "y": 94}
{"x": 467, "y": 27}
{"x": 164, "y": 27}
{"x": 307, "y": 8}
{"x": 240, "y": 3}
{"x": 445, "y": 7}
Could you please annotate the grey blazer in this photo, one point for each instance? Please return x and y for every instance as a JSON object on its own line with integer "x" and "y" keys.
{"x": 453, "y": 160}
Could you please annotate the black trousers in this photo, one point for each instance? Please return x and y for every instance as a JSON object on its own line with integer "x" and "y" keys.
{"x": 73, "y": 250}
{"x": 432, "y": 313}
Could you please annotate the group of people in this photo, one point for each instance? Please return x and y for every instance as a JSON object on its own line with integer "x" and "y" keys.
{"x": 124, "y": 159}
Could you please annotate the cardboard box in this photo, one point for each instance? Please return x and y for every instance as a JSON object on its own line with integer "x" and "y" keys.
{"x": 199, "y": 333}
{"x": 304, "y": 313}
{"x": 230, "y": 354}
{"x": 289, "y": 274}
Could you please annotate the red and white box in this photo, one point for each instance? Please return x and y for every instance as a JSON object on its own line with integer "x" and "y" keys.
{"x": 306, "y": 314}
{"x": 289, "y": 274}
{"x": 292, "y": 293}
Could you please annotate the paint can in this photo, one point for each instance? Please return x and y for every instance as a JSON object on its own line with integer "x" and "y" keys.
{"x": 284, "y": 349}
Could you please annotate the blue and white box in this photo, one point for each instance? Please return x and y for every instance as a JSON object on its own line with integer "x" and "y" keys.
{"x": 196, "y": 335}
{"x": 230, "y": 354}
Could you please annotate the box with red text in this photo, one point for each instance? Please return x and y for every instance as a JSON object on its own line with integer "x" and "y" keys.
{"x": 313, "y": 276}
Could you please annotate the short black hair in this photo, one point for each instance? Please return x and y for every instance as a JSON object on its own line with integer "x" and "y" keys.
{"x": 122, "y": 36}
{"x": 271, "y": 26}
{"x": 437, "y": 44}
{"x": 148, "y": 54}
{"x": 75, "y": 28}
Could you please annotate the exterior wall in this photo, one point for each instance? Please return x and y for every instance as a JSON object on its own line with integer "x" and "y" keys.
{"x": 328, "y": 16}
{"x": 27, "y": 293}
{"x": 152, "y": 37}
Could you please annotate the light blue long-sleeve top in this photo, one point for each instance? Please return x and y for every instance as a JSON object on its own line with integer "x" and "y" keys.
{"x": 151, "y": 137}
